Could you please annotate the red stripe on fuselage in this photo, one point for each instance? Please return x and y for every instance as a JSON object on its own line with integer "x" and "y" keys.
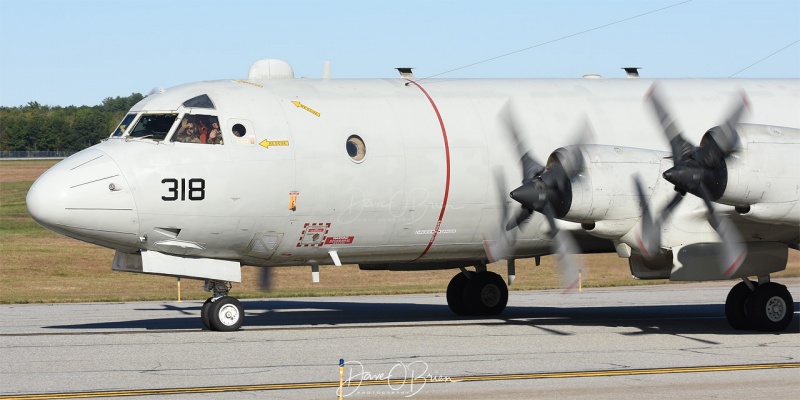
{"x": 447, "y": 178}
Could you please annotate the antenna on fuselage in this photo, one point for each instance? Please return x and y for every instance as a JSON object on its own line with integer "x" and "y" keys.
{"x": 633, "y": 72}
{"x": 405, "y": 72}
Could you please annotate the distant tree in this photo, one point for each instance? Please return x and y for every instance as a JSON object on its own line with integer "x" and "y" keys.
{"x": 40, "y": 127}
{"x": 12, "y": 130}
{"x": 89, "y": 127}
{"x": 33, "y": 105}
{"x": 51, "y": 137}
{"x": 120, "y": 104}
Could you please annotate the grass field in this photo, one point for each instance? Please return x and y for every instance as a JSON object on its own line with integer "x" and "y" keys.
{"x": 39, "y": 266}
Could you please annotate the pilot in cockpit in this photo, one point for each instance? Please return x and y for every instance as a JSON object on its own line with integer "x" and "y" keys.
{"x": 187, "y": 133}
{"x": 215, "y": 135}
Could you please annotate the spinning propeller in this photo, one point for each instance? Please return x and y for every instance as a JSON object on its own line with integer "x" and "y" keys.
{"x": 265, "y": 279}
{"x": 546, "y": 190}
{"x": 701, "y": 171}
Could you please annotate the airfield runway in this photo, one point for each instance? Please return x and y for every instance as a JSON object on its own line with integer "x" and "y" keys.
{"x": 665, "y": 341}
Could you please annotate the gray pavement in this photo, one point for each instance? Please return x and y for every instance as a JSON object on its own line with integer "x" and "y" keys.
{"x": 61, "y": 348}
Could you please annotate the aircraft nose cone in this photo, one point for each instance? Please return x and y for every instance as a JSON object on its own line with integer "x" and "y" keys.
{"x": 86, "y": 197}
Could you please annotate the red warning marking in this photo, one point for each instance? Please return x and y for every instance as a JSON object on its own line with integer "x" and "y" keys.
{"x": 313, "y": 234}
{"x": 339, "y": 240}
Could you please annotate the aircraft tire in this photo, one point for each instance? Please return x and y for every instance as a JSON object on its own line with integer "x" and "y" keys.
{"x": 734, "y": 306}
{"x": 456, "y": 294}
{"x": 486, "y": 294}
{"x": 226, "y": 314}
{"x": 770, "y": 308}
{"x": 204, "y": 311}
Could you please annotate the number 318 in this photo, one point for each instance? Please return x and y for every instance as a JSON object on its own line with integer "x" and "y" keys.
{"x": 178, "y": 189}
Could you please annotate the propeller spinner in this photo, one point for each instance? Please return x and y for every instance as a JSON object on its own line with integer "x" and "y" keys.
{"x": 546, "y": 190}
{"x": 700, "y": 171}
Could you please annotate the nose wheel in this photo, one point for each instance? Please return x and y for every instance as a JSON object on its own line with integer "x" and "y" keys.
{"x": 224, "y": 314}
{"x": 221, "y": 312}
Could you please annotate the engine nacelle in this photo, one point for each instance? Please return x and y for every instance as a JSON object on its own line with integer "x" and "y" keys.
{"x": 763, "y": 178}
{"x": 604, "y": 192}
{"x": 700, "y": 262}
{"x": 658, "y": 267}
{"x": 776, "y": 213}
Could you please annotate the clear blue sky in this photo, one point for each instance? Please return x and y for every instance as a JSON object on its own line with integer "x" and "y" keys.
{"x": 78, "y": 52}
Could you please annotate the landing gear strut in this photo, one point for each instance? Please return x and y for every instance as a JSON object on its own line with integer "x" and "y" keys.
{"x": 765, "y": 306}
{"x": 477, "y": 293}
{"x": 221, "y": 312}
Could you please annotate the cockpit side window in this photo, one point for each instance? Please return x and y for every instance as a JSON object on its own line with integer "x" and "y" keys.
{"x": 198, "y": 128}
{"x": 202, "y": 101}
{"x": 124, "y": 125}
{"x": 153, "y": 126}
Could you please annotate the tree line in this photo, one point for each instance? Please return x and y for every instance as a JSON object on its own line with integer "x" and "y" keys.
{"x": 36, "y": 127}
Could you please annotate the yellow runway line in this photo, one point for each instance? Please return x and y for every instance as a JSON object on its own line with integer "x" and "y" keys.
{"x": 417, "y": 381}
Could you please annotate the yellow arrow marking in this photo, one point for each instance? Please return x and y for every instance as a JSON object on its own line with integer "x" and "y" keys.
{"x": 305, "y": 107}
{"x": 248, "y": 83}
{"x": 266, "y": 143}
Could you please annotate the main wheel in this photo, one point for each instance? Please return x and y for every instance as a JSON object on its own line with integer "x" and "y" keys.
{"x": 734, "y": 306}
{"x": 226, "y": 314}
{"x": 455, "y": 294}
{"x": 204, "y": 312}
{"x": 770, "y": 308}
{"x": 486, "y": 294}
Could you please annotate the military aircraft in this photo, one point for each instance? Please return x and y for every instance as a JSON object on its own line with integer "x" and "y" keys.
{"x": 405, "y": 174}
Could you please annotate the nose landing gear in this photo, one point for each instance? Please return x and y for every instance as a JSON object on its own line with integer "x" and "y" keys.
{"x": 221, "y": 312}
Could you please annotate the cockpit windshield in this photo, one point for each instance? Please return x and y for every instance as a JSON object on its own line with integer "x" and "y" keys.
{"x": 193, "y": 127}
{"x": 124, "y": 125}
{"x": 153, "y": 126}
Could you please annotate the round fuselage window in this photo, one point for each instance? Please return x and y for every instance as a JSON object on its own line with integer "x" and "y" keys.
{"x": 356, "y": 148}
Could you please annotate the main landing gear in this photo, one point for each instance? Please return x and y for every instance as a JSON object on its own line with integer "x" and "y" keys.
{"x": 477, "y": 293}
{"x": 221, "y": 312}
{"x": 763, "y": 306}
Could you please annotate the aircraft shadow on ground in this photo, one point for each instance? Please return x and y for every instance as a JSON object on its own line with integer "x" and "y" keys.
{"x": 651, "y": 319}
